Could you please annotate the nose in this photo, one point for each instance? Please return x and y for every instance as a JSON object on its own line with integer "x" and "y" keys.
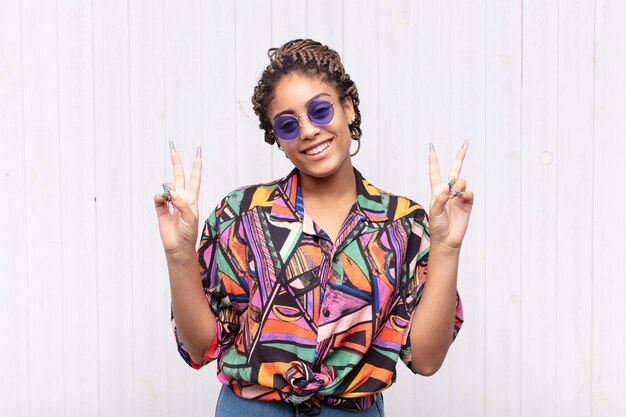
{"x": 308, "y": 130}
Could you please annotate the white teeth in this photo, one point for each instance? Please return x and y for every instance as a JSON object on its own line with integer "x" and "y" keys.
{"x": 318, "y": 149}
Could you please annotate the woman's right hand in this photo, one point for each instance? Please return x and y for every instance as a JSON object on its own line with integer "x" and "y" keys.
{"x": 179, "y": 225}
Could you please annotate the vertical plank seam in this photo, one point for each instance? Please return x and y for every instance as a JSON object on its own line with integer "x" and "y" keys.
{"x": 343, "y": 28}
{"x": 593, "y": 178}
{"x": 378, "y": 92}
{"x": 236, "y": 39}
{"x": 168, "y": 396}
{"x": 450, "y": 94}
{"x": 306, "y": 20}
{"x": 272, "y": 151}
{"x": 130, "y": 203}
{"x": 165, "y": 89}
{"x": 25, "y": 200}
{"x": 521, "y": 188}
{"x": 95, "y": 182}
{"x": 556, "y": 223}
{"x": 485, "y": 395}
{"x": 414, "y": 30}
{"x": 60, "y": 207}
{"x": 450, "y": 90}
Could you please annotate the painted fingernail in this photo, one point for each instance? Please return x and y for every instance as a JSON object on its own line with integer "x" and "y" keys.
{"x": 431, "y": 147}
{"x": 199, "y": 152}
{"x": 451, "y": 183}
{"x": 465, "y": 144}
{"x": 166, "y": 191}
{"x": 457, "y": 194}
{"x": 172, "y": 147}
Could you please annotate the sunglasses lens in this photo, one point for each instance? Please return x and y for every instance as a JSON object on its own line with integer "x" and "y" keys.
{"x": 320, "y": 112}
{"x": 286, "y": 127}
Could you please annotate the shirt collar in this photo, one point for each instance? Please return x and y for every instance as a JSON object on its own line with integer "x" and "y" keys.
{"x": 287, "y": 199}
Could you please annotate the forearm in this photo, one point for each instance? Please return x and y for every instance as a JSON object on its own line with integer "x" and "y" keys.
{"x": 433, "y": 319}
{"x": 195, "y": 323}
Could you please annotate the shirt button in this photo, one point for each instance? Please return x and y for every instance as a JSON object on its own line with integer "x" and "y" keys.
{"x": 326, "y": 312}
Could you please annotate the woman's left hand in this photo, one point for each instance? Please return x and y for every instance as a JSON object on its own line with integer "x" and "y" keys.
{"x": 451, "y": 203}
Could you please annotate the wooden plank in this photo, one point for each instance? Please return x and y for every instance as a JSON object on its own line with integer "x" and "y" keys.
{"x": 609, "y": 224}
{"x": 253, "y": 163}
{"x": 575, "y": 226}
{"x": 152, "y": 338}
{"x": 364, "y": 72}
{"x": 188, "y": 122}
{"x": 43, "y": 209}
{"x": 113, "y": 208}
{"x": 503, "y": 203}
{"x": 289, "y": 21}
{"x": 325, "y": 22}
{"x": 427, "y": 108}
{"x": 397, "y": 102}
{"x": 396, "y": 109}
{"x": 184, "y": 84}
{"x": 467, "y": 121}
{"x": 14, "y": 280}
{"x": 430, "y": 92}
{"x": 217, "y": 59}
{"x": 539, "y": 207}
{"x": 77, "y": 191}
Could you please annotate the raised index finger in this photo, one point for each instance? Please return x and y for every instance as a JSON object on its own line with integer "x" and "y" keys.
{"x": 433, "y": 170}
{"x": 455, "y": 170}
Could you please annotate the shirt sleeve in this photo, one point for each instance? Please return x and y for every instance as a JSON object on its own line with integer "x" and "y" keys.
{"x": 418, "y": 249}
{"x": 219, "y": 268}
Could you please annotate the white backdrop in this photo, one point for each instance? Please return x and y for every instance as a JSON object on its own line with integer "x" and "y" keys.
{"x": 91, "y": 92}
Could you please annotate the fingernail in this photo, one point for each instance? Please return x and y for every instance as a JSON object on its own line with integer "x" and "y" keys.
{"x": 431, "y": 147}
{"x": 457, "y": 194}
{"x": 166, "y": 191}
{"x": 199, "y": 152}
{"x": 451, "y": 183}
{"x": 465, "y": 144}
{"x": 172, "y": 147}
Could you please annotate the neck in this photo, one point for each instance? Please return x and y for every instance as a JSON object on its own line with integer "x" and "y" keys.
{"x": 339, "y": 186}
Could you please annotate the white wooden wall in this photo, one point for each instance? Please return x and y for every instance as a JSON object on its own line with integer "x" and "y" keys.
{"x": 91, "y": 91}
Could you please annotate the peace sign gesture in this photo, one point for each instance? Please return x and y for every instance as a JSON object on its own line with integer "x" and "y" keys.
{"x": 177, "y": 207}
{"x": 451, "y": 204}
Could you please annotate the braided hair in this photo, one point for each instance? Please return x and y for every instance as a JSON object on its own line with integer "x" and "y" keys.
{"x": 309, "y": 58}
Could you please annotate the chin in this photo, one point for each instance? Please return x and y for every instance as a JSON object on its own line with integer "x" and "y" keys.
{"x": 323, "y": 169}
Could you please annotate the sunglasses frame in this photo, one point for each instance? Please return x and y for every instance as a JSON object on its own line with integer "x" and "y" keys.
{"x": 297, "y": 118}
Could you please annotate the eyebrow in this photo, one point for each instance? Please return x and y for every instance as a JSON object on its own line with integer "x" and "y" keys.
{"x": 290, "y": 111}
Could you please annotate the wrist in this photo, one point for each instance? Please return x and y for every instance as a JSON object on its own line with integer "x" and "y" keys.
{"x": 442, "y": 249}
{"x": 181, "y": 255}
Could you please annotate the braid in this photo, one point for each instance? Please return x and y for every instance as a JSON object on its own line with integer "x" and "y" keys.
{"x": 307, "y": 57}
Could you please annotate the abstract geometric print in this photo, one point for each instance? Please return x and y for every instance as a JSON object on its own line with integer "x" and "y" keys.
{"x": 301, "y": 318}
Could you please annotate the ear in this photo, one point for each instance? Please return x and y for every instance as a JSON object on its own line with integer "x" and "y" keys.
{"x": 348, "y": 107}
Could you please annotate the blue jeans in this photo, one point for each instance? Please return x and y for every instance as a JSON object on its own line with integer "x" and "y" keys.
{"x": 230, "y": 405}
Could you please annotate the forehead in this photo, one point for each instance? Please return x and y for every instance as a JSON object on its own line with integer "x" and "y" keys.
{"x": 295, "y": 90}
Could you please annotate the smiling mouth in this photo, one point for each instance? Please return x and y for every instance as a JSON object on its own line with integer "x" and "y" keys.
{"x": 318, "y": 149}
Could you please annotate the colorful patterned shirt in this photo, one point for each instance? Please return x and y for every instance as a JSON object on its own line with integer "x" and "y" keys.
{"x": 300, "y": 318}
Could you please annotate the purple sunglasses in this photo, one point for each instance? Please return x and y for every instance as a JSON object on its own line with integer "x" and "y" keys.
{"x": 320, "y": 112}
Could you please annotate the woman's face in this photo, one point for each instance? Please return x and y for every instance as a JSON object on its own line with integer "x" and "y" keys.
{"x": 318, "y": 151}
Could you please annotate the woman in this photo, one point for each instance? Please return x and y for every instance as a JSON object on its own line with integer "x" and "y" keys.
{"x": 314, "y": 285}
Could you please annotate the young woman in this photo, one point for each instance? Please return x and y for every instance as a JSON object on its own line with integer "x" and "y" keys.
{"x": 308, "y": 289}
